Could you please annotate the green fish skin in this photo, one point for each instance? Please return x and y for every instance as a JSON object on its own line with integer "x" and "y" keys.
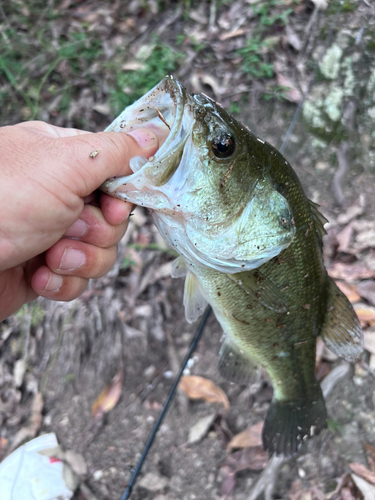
{"x": 251, "y": 246}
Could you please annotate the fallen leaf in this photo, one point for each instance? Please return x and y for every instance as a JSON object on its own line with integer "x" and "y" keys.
{"x": 254, "y": 458}
{"x": 232, "y": 34}
{"x": 350, "y": 272}
{"x": 367, "y": 490}
{"x": 363, "y": 472}
{"x": 201, "y": 428}
{"x": 109, "y": 397}
{"x": 370, "y": 451}
{"x": 347, "y": 489}
{"x": 252, "y": 436}
{"x": 321, "y": 4}
{"x": 19, "y": 372}
{"x": 365, "y": 313}
{"x": 366, "y": 289}
{"x": 349, "y": 290}
{"x": 353, "y": 211}
{"x": 202, "y": 388}
{"x": 369, "y": 341}
{"x": 344, "y": 237}
{"x": 292, "y": 94}
{"x": 229, "y": 481}
{"x": 36, "y": 418}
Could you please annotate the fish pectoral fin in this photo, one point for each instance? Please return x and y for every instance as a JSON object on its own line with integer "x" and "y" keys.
{"x": 179, "y": 268}
{"x": 194, "y": 300}
{"x": 261, "y": 288}
{"x": 342, "y": 331}
{"x": 235, "y": 366}
{"x": 289, "y": 423}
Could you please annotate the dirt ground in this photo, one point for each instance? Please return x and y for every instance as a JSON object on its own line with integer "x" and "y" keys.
{"x": 132, "y": 321}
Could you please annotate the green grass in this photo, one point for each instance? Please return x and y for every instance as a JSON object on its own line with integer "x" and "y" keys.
{"x": 131, "y": 85}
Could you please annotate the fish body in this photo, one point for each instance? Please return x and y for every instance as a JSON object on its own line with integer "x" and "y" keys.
{"x": 250, "y": 244}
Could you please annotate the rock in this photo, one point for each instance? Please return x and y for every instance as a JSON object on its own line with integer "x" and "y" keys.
{"x": 153, "y": 482}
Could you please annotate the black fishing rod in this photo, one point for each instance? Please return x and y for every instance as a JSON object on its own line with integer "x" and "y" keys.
{"x": 151, "y": 438}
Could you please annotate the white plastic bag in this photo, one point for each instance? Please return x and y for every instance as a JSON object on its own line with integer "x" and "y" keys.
{"x": 32, "y": 472}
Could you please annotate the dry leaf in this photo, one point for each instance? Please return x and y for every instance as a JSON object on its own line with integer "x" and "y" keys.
{"x": 369, "y": 341}
{"x": 365, "y": 313}
{"x": 349, "y": 290}
{"x": 344, "y": 237}
{"x": 254, "y": 458}
{"x": 363, "y": 471}
{"x": 366, "y": 289}
{"x": 203, "y": 388}
{"x": 232, "y": 34}
{"x": 321, "y": 4}
{"x": 350, "y": 272}
{"x": 353, "y": 211}
{"x": 367, "y": 490}
{"x": 108, "y": 398}
{"x": 292, "y": 94}
{"x": 252, "y": 436}
{"x": 347, "y": 489}
{"x": 30, "y": 431}
{"x": 370, "y": 451}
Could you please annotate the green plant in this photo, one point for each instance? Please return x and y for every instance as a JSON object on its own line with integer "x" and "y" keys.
{"x": 131, "y": 85}
{"x": 253, "y": 62}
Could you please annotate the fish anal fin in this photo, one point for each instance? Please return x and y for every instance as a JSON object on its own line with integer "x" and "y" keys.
{"x": 289, "y": 423}
{"x": 235, "y": 366}
{"x": 194, "y": 300}
{"x": 342, "y": 331}
{"x": 257, "y": 285}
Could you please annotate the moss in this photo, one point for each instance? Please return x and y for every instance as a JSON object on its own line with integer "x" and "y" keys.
{"x": 333, "y": 104}
{"x": 330, "y": 64}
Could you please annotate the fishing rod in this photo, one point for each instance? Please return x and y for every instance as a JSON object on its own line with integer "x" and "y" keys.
{"x": 151, "y": 438}
{"x": 128, "y": 490}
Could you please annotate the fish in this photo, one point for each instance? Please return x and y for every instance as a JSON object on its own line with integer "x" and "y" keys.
{"x": 250, "y": 245}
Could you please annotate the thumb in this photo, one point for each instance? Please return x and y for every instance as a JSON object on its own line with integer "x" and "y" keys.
{"x": 93, "y": 158}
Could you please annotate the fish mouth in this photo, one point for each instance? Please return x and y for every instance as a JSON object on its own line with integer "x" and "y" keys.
{"x": 163, "y": 109}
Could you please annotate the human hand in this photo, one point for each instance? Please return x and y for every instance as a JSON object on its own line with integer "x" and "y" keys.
{"x": 52, "y": 240}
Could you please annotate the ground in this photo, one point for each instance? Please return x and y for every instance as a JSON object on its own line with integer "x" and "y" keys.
{"x": 78, "y": 63}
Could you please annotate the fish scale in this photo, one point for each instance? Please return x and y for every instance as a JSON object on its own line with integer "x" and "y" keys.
{"x": 250, "y": 244}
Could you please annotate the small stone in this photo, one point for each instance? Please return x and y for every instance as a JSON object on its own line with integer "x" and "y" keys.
{"x": 201, "y": 428}
{"x": 98, "y": 474}
{"x": 153, "y": 482}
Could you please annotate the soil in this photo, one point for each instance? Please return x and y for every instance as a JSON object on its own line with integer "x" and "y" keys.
{"x": 133, "y": 318}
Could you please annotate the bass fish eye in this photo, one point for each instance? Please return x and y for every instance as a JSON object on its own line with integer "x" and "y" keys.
{"x": 223, "y": 146}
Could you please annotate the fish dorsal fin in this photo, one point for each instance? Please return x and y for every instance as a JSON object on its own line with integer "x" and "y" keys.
{"x": 318, "y": 218}
{"x": 178, "y": 268}
{"x": 341, "y": 330}
{"x": 257, "y": 285}
{"x": 194, "y": 300}
{"x": 234, "y": 365}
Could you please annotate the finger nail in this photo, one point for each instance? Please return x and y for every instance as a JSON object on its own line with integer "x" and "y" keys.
{"x": 72, "y": 259}
{"x": 144, "y": 137}
{"x": 54, "y": 283}
{"x": 77, "y": 229}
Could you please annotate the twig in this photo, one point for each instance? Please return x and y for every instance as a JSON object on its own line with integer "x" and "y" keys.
{"x": 334, "y": 377}
{"x": 267, "y": 479}
{"x": 340, "y": 173}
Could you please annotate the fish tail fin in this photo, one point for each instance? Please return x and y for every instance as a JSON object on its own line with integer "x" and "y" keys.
{"x": 290, "y": 423}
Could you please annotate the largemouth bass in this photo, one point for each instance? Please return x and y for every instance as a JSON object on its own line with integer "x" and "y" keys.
{"x": 250, "y": 244}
